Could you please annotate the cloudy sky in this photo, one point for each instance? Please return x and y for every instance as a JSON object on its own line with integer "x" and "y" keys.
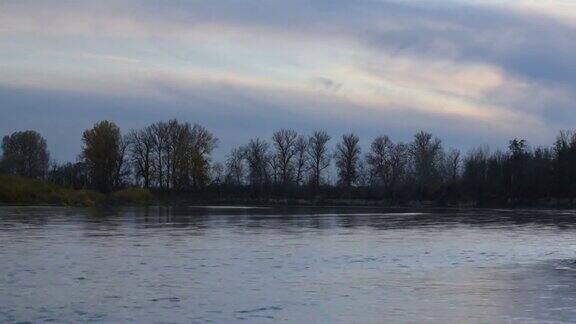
{"x": 472, "y": 72}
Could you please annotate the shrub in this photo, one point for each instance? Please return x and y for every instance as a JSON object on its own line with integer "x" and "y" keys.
{"x": 137, "y": 196}
{"x": 19, "y": 191}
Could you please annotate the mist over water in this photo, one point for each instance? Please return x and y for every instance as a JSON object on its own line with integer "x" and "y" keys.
{"x": 295, "y": 265}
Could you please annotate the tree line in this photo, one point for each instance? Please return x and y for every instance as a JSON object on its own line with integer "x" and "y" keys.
{"x": 174, "y": 157}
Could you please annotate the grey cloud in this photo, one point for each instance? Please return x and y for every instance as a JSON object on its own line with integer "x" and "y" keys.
{"x": 530, "y": 46}
{"x": 327, "y": 84}
{"x": 234, "y": 114}
{"x": 527, "y": 45}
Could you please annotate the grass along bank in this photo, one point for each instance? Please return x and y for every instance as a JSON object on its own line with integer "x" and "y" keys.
{"x": 24, "y": 191}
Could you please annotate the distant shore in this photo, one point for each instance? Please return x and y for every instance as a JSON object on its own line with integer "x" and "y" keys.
{"x": 23, "y": 191}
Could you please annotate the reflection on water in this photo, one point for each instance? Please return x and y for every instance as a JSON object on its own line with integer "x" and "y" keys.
{"x": 297, "y": 265}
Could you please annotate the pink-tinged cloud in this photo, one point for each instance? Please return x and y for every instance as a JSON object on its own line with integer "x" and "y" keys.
{"x": 481, "y": 69}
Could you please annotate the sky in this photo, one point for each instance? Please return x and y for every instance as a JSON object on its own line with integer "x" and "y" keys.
{"x": 471, "y": 72}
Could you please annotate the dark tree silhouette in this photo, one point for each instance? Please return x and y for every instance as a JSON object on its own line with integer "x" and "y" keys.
{"x": 284, "y": 142}
{"x": 103, "y": 154}
{"x": 257, "y": 155}
{"x": 235, "y": 167}
{"x": 398, "y": 163}
{"x": 25, "y": 154}
{"x": 141, "y": 146}
{"x": 318, "y": 156}
{"x": 175, "y": 157}
{"x": 379, "y": 160}
{"x": 72, "y": 175}
{"x": 426, "y": 152}
{"x": 451, "y": 165}
{"x": 347, "y": 157}
{"x": 301, "y": 159}
{"x": 172, "y": 155}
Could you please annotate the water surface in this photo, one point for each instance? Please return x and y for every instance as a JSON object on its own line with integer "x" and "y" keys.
{"x": 294, "y": 265}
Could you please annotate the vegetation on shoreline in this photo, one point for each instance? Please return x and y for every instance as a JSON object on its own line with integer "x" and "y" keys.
{"x": 15, "y": 190}
{"x": 131, "y": 196}
{"x": 173, "y": 161}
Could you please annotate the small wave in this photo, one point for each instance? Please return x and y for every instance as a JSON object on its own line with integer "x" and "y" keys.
{"x": 565, "y": 268}
{"x": 261, "y": 309}
{"x": 372, "y": 214}
{"x": 230, "y": 207}
{"x": 565, "y": 265}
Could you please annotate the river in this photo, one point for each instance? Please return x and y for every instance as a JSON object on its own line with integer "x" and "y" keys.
{"x": 286, "y": 264}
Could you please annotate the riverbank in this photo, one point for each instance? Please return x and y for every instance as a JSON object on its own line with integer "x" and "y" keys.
{"x": 23, "y": 191}
{"x": 551, "y": 203}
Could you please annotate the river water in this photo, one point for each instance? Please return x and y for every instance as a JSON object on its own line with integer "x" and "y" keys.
{"x": 292, "y": 265}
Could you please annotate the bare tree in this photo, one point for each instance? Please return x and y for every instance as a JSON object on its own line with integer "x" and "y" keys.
{"x": 364, "y": 175}
{"x": 140, "y": 150}
{"x": 174, "y": 155}
{"x": 398, "y": 162}
{"x": 160, "y": 136}
{"x": 379, "y": 160}
{"x": 200, "y": 146}
{"x": 318, "y": 156}
{"x": 122, "y": 169}
{"x": 425, "y": 152}
{"x": 235, "y": 167}
{"x": 217, "y": 173}
{"x": 284, "y": 142}
{"x": 347, "y": 157}
{"x": 178, "y": 155}
{"x": 256, "y": 154}
{"x": 274, "y": 168}
{"x": 301, "y": 158}
{"x": 452, "y": 165}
